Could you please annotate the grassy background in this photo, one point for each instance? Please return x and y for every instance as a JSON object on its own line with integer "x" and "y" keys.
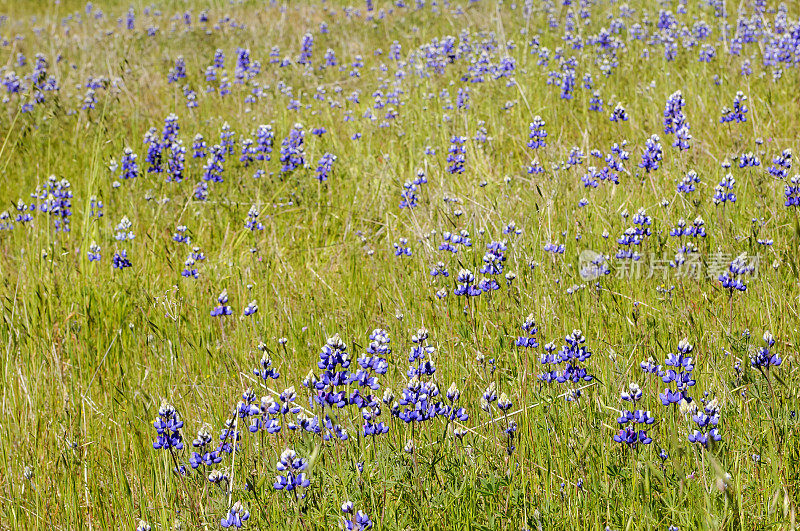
{"x": 90, "y": 352}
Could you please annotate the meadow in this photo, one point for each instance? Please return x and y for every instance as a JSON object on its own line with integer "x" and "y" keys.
{"x": 407, "y": 264}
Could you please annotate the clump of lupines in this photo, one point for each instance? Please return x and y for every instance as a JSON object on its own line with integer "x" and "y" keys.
{"x": 325, "y": 166}
{"x": 222, "y": 308}
{"x": 168, "y": 426}
{"x": 652, "y": 154}
{"x": 680, "y": 374}
{"x": 737, "y": 114}
{"x": 292, "y": 150}
{"x": 457, "y": 154}
{"x": 639, "y": 419}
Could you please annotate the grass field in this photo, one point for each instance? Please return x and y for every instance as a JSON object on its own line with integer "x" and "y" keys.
{"x": 439, "y": 238}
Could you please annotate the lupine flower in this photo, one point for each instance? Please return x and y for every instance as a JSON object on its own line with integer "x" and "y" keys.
{"x": 266, "y": 371}
{"x": 466, "y": 284}
{"x": 619, "y": 114}
{"x": 530, "y": 328}
{"x": 55, "y": 199}
{"x": 120, "y": 259}
{"x": 733, "y": 278}
{"x": 212, "y": 171}
{"x": 457, "y": 154}
{"x": 781, "y": 164}
{"x": 764, "y": 358}
{"x": 652, "y": 154}
{"x": 226, "y": 139}
{"x": 168, "y": 425}
{"x": 94, "y": 252}
{"x": 689, "y": 182}
{"x": 265, "y": 138}
{"x": 306, "y": 47}
{"x": 250, "y": 309}
{"x": 630, "y": 435}
{"x": 572, "y": 354}
{"x": 401, "y": 247}
{"x": 681, "y": 374}
{"x": 325, "y": 166}
{"x": 251, "y": 222}
{"x": 154, "y": 151}
{"x": 199, "y": 147}
{"x": 706, "y": 420}
{"x": 358, "y": 521}
{"x": 123, "y": 230}
{"x": 596, "y": 102}
{"x": 290, "y": 472}
{"x": 129, "y": 168}
{"x": 176, "y": 162}
{"x": 292, "y": 156}
{"x": 674, "y": 118}
{"x": 180, "y": 235}
{"x": 236, "y": 517}
{"x": 723, "y": 192}
{"x": 792, "y": 192}
{"x": 201, "y": 455}
{"x": 737, "y": 114}
{"x": 178, "y": 71}
{"x": 748, "y": 160}
{"x": 191, "y": 97}
{"x": 537, "y": 133}
{"x": 222, "y": 308}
